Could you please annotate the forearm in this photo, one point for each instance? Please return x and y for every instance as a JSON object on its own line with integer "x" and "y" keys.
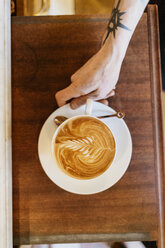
{"x": 125, "y": 16}
{"x": 98, "y": 77}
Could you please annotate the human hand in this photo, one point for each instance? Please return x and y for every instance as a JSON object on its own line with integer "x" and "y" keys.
{"x": 98, "y": 77}
{"x": 96, "y": 80}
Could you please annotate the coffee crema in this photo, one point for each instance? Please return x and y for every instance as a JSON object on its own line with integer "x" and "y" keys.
{"x": 84, "y": 147}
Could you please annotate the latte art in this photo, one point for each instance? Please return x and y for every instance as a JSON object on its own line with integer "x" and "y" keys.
{"x": 84, "y": 147}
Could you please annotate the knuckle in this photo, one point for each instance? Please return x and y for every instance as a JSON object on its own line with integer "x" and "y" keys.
{"x": 99, "y": 93}
{"x": 73, "y": 87}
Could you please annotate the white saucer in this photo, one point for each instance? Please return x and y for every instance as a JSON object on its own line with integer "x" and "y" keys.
{"x": 107, "y": 179}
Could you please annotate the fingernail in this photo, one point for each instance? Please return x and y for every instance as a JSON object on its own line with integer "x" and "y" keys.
{"x": 106, "y": 102}
{"x": 112, "y": 93}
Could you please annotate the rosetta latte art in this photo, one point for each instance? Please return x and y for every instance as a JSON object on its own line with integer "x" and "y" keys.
{"x": 84, "y": 147}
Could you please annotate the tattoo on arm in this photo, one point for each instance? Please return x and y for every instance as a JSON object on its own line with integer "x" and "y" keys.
{"x": 115, "y": 21}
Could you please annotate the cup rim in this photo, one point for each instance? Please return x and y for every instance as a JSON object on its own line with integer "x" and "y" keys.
{"x": 63, "y": 123}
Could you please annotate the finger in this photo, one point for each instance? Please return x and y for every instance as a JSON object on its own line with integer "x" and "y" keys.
{"x": 66, "y": 94}
{"x": 111, "y": 93}
{"x": 103, "y": 101}
{"x": 77, "y": 102}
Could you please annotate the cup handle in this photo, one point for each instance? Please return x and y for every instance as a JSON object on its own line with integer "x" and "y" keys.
{"x": 88, "y": 107}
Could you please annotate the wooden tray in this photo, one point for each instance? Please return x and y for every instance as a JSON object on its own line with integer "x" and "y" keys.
{"x": 45, "y": 53}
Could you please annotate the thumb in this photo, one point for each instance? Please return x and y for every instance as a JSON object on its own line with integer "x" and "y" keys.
{"x": 77, "y": 102}
{"x": 66, "y": 94}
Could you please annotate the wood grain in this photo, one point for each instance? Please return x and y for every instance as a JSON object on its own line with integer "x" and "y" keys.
{"x": 45, "y": 53}
{"x": 6, "y": 239}
{"x": 156, "y": 87}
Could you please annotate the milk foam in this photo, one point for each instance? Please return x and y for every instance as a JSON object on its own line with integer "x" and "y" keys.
{"x": 84, "y": 147}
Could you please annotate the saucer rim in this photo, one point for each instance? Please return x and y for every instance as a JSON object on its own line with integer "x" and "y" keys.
{"x": 109, "y": 109}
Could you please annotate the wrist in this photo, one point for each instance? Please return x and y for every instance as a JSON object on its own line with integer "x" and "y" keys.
{"x": 114, "y": 51}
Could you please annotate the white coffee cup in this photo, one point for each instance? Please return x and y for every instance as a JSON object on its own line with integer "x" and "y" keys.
{"x": 86, "y": 116}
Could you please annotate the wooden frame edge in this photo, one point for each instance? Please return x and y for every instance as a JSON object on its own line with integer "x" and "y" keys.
{"x": 156, "y": 88}
{"x": 81, "y": 238}
{"x": 6, "y": 239}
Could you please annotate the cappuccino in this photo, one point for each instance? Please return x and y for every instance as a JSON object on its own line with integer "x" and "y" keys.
{"x": 84, "y": 147}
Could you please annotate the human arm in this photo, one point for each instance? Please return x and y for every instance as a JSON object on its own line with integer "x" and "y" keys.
{"x": 97, "y": 78}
